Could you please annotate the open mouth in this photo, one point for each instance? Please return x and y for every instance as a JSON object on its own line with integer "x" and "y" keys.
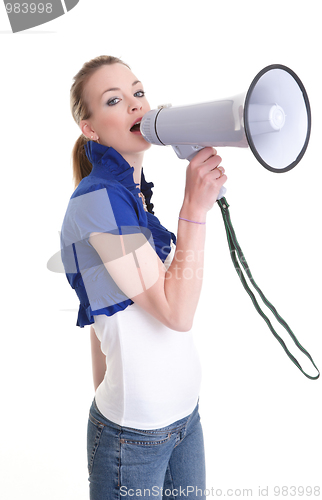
{"x": 136, "y": 126}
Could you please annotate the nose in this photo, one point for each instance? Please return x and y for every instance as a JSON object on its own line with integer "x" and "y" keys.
{"x": 135, "y": 105}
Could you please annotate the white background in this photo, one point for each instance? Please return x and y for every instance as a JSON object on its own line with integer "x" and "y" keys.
{"x": 261, "y": 416}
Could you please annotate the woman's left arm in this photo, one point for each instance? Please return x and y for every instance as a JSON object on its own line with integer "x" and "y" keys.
{"x": 98, "y": 360}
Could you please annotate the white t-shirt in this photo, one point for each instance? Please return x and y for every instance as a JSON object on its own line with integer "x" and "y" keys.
{"x": 153, "y": 373}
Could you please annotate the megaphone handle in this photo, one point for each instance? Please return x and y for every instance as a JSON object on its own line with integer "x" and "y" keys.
{"x": 236, "y": 250}
{"x": 222, "y": 193}
{"x": 188, "y": 152}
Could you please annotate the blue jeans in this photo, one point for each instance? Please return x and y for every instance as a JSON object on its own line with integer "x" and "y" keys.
{"x": 162, "y": 464}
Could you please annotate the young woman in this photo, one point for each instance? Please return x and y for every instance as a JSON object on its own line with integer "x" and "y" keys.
{"x": 138, "y": 286}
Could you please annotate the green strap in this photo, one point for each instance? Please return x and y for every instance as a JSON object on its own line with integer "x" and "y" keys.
{"x": 236, "y": 251}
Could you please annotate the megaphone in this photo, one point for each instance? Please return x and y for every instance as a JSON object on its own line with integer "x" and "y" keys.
{"x": 273, "y": 118}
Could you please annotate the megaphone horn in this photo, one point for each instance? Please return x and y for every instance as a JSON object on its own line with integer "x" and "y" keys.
{"x": 273, "y": 118}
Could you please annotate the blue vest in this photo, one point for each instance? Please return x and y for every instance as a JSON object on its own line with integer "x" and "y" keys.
{"x": 107, "y": 200}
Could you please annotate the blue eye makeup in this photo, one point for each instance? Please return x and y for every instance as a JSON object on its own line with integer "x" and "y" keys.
{"x": 115, "y": 100}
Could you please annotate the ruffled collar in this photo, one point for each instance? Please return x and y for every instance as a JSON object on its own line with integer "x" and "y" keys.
{"x": 110, "y": 165}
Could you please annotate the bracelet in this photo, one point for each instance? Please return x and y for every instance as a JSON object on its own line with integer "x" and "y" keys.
{"x": 194, "y": 221}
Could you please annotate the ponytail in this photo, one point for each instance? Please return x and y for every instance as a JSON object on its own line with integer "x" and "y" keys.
{"x": 81, "y": 164}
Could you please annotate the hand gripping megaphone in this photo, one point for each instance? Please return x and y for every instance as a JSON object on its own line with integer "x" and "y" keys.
{"x": 273, "y": 118}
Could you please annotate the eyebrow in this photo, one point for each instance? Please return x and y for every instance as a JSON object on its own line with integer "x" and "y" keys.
{"x": 117, "y": 88}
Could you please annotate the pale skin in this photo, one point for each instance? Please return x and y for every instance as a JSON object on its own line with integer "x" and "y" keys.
{"x": 173, "y": 296}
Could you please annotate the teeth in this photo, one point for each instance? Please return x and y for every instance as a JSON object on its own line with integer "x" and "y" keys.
{"x": 136, "y": 123}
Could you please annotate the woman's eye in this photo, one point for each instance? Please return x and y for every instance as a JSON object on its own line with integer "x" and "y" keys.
{"x": 113, "y": 101}
{"x": 139, "y": 93}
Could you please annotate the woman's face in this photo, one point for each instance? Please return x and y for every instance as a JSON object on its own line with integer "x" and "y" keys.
{"x": 117, "y": 101}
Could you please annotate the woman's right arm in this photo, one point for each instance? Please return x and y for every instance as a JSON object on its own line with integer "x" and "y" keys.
{"x": 172, "y": 295}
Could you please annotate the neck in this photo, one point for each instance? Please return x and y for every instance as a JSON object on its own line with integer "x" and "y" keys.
{"x": 135, "y": 160}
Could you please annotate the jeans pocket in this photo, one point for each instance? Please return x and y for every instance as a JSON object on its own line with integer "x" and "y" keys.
{"x": 144, "y": 438}
{"x": 94, "y": 432}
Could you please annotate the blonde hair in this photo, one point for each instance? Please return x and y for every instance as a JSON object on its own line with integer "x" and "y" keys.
{"x": 80, "y": 111}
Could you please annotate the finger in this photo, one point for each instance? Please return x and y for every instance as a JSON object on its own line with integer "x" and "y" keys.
{"x": 203, "y": 155}
{"x": 217, "y": 172}
{"x": 211, "y": 164}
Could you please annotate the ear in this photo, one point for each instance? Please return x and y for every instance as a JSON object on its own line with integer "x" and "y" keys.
{"x": 88, "y": 131}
